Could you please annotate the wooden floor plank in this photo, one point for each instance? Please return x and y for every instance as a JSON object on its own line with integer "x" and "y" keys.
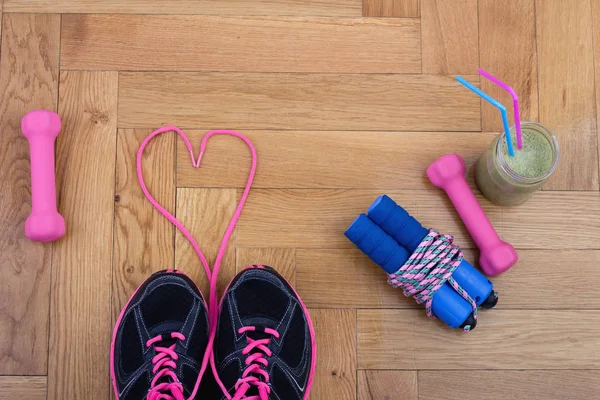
{"x": 596, "y": 19}
{"x": 318, "y": 218}
{"x": 283, "y": 260}
{"x": 143, "y": 237}
{"x": 171, "y": 43}
{"x": 80, "y": 330}
{"x": 508, "y": 51}
{"x": 391, "y": 8}
{"x": 293, "y": 101}
{"x": 502, "y": 385}
{"x": 566, "y": 85}
{"x": 553, "y": 288}
{"x": 343, "y": 8}
{"x": 335, "y": 377}
{"x": 382, "y": 385}
{"x": 503, "y": 339}
{"x": 318, "y": 282}
{"x": 205, "y": 213}
{"x": 23, "y": 387}
{"x": 449, "y": 29}
{"x": 364, "y": 284}
{"x": 28, "y": 80}
{"x": 557, "y": 220}
{"x": 339, "y": 113}
{"x": 373, "y": 160}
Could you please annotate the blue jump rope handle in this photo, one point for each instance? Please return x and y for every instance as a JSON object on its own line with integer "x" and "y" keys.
{"x": 408, "y": 232}
{"x": 447, "y": 304}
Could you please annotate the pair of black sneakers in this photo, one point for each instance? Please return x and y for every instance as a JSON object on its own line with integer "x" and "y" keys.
{"x": 264, "y": 346}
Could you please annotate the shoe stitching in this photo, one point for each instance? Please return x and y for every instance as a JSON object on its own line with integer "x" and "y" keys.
{"x": 122, "y": 375}
{"x": 134, "y": 377}
{"x": 139, "y": 320}
{"x": 293, "y": 303}
{"x": 195, "y": 312}
{"x": 298, "y": 392}
{"x": 289, "y": 310}
{"x": 289, "y": 376}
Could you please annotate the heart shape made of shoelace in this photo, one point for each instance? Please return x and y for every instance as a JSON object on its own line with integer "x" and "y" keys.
{"x": 212, "y": 275}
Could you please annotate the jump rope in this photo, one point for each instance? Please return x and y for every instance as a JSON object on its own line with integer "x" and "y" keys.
{"x": 432, "y": 263}
{"x": 430, "y": 266}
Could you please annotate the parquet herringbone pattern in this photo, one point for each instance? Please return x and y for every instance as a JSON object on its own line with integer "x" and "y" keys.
{"x": 344, "y": 100}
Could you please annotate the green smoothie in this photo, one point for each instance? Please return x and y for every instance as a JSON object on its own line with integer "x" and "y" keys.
{"x": 507, "y": 180}
{"x": 532, "y": 160}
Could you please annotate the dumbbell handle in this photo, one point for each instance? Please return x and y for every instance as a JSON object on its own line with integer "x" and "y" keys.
{"x": 43, "y": 188}
{"x": 44, "y": 224}
{"x": 478, "y": 224}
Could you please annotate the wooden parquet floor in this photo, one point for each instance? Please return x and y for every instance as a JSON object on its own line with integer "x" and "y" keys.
{"x": 345, "y": 100}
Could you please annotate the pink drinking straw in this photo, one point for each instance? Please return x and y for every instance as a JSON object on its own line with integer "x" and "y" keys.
{"x": 515, "y": 98}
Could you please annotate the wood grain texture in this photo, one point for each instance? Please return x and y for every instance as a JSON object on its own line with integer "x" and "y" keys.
{"x": 341, "y": 109}
{"x": 344, "y": 8}
{"x": 555, "y": 287}
{"x": 449, "y": 36}
{"x": 319, "y": 218}
{"x": 283, "y": 260}
{"x": 168, "y": 43}
{"x": 502, "y": 385}
{"x": 23, "y": 387}
{"x": 205, "y": 213}
{"x": 374, "y": 160}
{"x": 80, "y": 312}
{"x": 28, "y": 80}
{"x": 566, "y": 76}
{"x": 387, "y": 385}
{"x": 503, "y": 339}
{"x": 144, "y": 239}
{"x": 335, "y": 376}
{"x": 552, "y": 220}
{"x": 596, "y": 19}
{"x": 391, "y": 8}
{"x": 365, "y": 284}
{"x": 507, "y": 41}
{"x": 293, "y": 101}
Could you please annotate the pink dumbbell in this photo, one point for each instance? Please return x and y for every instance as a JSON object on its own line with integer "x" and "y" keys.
{"x": 448, "y": 173}
{"x": 44, "y": 224}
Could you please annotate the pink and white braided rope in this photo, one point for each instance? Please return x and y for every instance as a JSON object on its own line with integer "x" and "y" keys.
{"x": 430, "y": 266}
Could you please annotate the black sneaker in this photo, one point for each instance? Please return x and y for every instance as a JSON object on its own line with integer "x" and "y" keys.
{"x": 160, "y": 340}
{"x": 265, "y": 344}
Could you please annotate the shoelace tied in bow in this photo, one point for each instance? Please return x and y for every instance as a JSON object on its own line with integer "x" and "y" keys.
{"x": 165, "y": 385}
{"x": 254, "y": 375}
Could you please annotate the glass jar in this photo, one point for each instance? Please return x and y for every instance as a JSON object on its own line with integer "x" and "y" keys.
{"x": 510, "y": 182}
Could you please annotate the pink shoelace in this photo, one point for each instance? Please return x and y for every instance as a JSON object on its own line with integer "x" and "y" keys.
{"x": 164, "y": 363}
{"x": 212, "y": 274}
{"x": 254, "y": 374}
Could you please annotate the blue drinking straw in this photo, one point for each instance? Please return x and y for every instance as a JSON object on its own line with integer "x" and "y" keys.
{"x": 495, "y": 103}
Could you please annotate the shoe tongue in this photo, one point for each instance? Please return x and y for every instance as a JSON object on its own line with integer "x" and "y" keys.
{"x": 166, "y": 327}
{"x": 262, "y": 322}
